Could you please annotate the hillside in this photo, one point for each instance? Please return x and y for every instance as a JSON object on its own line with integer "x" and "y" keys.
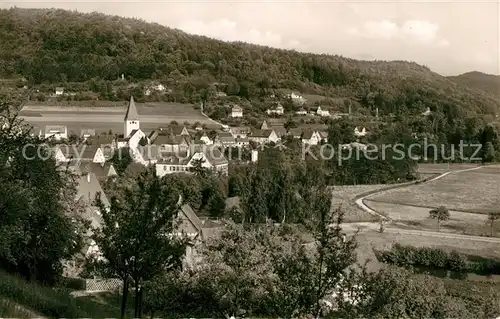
{"x": 476, "y": 80}
{"x": 57, "y": 47}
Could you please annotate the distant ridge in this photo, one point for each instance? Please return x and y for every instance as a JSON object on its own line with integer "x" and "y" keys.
{"x": 488, "y": 83}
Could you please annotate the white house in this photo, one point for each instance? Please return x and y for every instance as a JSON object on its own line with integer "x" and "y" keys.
{"x": 210, "y": 157}
{"x": 279, "y": 110}
{"x": 301, "y": 112}
{"x": 296, "y": 98}
{"x": 57, "y": 132}
{"x": 64, "y": 153}
{"x": 311, "y": 137}
{"x": 321, "y": 112}
{"x": 236, "y": 111}
{"x": 59, "y": 91}
{"x": 240, "y": 131}
{"x": 264, "y": 136}
{"x": 359, "y": 133}
{"x": 205, "y": 139}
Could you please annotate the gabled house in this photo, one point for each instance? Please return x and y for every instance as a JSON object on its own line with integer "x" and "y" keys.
{"x": 178, "y": 130}
{"x": 264, "y": 136}
{"x": 240, "y": 131}
{"x": 279, "y": 110}
{"x": 59, "y": 91}
{"x": 171, "y": 143}
{"x": 359, "y": 132}
{"x": 296, "y": 98}
{"x": 209, "y": 156}
{"x": 86, "y": 133}
{"x": 225, "y": 139}
{"x": 311, "y": 137}
{"x": 64, "y": 153}
{"x": 205, "y": 139}
{"x": 101, "y": 171}
{"x": 322, "y": 112}
{"x": 236, "y": 112}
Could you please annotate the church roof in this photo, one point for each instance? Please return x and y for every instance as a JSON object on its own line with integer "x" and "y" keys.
{"x": 131, "y": 114}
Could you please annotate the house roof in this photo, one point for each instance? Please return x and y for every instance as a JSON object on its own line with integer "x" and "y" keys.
{"x": 190, "y": 215}
{"x": 280, "y": 131}
{"x": 131, "y": 114}
{"x": 87, "y": 188}
{"x": 295, "y": 131}
{"x": 307, "y": 134}
{"x": 237, "y": 108}
{"x": 98, "y": 169}
{"x": 87, "y": 131}
{"x": 169, "y": 140}
{"x": 177, "y": 129}
{"x": 240, "y": 130}
{"x": 261, "y": 133}
{"x": 224, "y": 134}
{"x": 101, "y": 140}
{"x": 55, "y": 129}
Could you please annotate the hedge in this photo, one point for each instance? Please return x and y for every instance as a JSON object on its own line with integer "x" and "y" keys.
{"x": 409, "y": 256}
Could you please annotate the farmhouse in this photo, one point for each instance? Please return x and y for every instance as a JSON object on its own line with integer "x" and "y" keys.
{"x": 236, "y": 111}
{"x": 171, "y": 143}
{"x": 57, "y": 132}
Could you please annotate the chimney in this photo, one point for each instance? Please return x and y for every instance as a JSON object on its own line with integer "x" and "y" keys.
{"x": 88, "y": 177}
{"x": 255, "y": 156}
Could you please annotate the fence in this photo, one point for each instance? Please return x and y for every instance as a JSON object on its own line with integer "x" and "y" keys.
{"x": 109, "y": 284}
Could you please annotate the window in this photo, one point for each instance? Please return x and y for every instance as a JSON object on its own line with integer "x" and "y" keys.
{"x": 164, "y": 168}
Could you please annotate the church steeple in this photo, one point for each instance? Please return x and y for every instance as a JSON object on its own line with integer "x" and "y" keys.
{"x": 131, "y": 114}
{"x": 131, "y": 119}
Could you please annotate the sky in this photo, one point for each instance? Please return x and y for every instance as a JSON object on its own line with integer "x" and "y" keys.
{"x": 450, "y": 37}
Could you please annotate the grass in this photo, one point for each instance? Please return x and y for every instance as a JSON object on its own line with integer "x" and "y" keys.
{"x": 18, "y": 296}
{"x": 345, "y": 196}
{"x": 471, "y": 191}
{"x": 418, "y": 218}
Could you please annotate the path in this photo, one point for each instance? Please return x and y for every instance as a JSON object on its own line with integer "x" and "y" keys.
{"x": 211, "y": 120}
{"x": 351, "y": 227}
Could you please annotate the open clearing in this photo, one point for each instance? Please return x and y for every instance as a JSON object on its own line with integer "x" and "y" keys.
{"x": 473, "y": 191}
{"x": 103, "y": 119}
{"x": 418, "y": 218}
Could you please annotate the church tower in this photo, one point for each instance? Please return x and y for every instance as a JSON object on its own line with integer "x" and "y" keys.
{"x": 131, "y": 118}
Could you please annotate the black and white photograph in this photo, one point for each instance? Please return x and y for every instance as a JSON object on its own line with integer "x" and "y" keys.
{"x": 250, "y": 159}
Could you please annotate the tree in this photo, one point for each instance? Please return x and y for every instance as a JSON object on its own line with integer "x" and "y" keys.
{"x": 137, "y": 238}
{"x": 440, "y": 214}
{"x": 121, "y": 160}
{"x": 399, "y": 293}
{"x": 492, "y": 218}
{"x": 40, "y": 223}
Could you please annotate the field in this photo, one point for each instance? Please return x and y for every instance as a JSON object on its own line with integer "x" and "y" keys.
{"x": 473, "y": 191}
{"x": 103, "y": 119}
{"x": 418, "y": 218}
{"x": 345, "y": 196}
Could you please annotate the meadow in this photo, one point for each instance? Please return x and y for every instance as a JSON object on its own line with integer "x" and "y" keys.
{"x": 474, "y": 191}
{"x": 105, "y": 116}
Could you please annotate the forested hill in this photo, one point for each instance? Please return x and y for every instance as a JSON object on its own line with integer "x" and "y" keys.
{"x": 477, "y": 80}
{"x": 57, "y": 46}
